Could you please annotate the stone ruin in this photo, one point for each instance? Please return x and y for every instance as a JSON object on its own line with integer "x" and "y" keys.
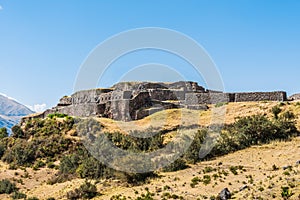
{"x": 295, "y": 97}
{"x": 135, "y": 100}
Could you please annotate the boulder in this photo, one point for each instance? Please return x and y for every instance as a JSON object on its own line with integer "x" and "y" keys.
{"x": 286, "y": 167}
{"x": 225, "y": 194}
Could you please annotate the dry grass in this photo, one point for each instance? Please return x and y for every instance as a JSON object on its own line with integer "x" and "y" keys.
{"x": 257, "y": 161}
{"x": 168, "y": 119}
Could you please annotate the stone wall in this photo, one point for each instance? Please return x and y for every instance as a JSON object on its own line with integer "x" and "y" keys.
{"x": 65, "y": 101}
{"x": 135, "y": 100}
{"x": 215, "y": 97}
{"x": 120, "y": 110}
{"x": 142, "y": 100}
{"x": 164, "y": 95}
{"x": 82, "y": 110}
{"x": 206, "y": 98}
{"x": 104, "y": 97}
{"x": 91, "y": 96}
{"x": 260, "y": 96}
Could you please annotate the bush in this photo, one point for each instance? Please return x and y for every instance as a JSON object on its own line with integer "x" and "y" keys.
{"x": 244, "y": 132}
{"x": 58, "y": 115}
{"x": 90, "y": 168}
{"x": 276, "y": 110}
{"x": 2, "y": 149}
{"x": 192, "y": 155}
{"x": 177, "y": 165}
{"x": 3, "y": 133}
{"x": 220, "y": 104}
{"x": 69, "y": 164}
{"x": 38, "y": 164}
{"x": 286, "y": 192}
{"x": 17, "y": 132}
{"x": 85, "y": 191}
{"x": 21, "y": 154}
{"x": 32, "y": 198}
{"x": 18, "y": 195}
{"x": 206, "y": 179}
{"x": 6, "y": 187}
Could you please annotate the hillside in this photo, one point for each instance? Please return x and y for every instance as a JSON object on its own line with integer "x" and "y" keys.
{"x": 54, "y": 162}
{"x": 11, "y": 112}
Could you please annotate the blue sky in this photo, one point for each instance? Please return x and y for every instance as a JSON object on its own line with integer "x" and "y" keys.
{"x": 255, "y": 44}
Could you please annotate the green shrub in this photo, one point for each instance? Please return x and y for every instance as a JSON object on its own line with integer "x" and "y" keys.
{"x": 147, "y": 196}
{"x": 32, "y": 198}
{"x": 90, "y": 168}
{"x": 234, "y": 169}
{"x": 6, "y": 187}
{"x": 275, "y": 168}
{"x": 69, "y": 164}
{"x": 38, "y": 164}
{"x": 208, "y": 169}
{"x": 18, "y": 195}
{"x": 3, "y": 133}
{"x": 276, "y": 110}
{"x": 192, "y": 155}
{"x": 177, "y": 165}
{"x": 2, "y": 149}
{"x": 51, "y": 165}
{"x": 17, "y": 132}
{"x": 220, "y": 104}
{"x": 286, "y": 193}
{"x": 85, "y": 191}
{"x": 58, "y": 115}
{"x": 21, "y": 154}
{"x": 206, "y": 179}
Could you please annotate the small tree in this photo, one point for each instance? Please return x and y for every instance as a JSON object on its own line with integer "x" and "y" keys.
{"x": 17, "y": 132}
{"x": 6, "y": 187}
{"x": 2, "y": 149}
{"x": 85, "y": 191}
{"x": 276, "y": 110}
{"x": 3, "y": 133}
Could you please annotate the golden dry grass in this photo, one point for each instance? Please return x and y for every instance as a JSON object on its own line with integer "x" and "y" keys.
{"x": 257, "y": 160}
{"x": 168, "y": 119}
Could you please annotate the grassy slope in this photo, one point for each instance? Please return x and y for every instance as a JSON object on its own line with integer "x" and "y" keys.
{"x": 257, "y": 161}
{"x": 174, "y": 117}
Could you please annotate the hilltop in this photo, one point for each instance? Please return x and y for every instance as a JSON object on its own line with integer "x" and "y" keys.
{"x": 127, "y": 101}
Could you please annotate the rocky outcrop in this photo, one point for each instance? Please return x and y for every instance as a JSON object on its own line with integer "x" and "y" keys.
{"x": 225, "y": 194}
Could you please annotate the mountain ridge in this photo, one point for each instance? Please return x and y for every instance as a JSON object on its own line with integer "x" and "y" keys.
{"x": 11, "y": 112}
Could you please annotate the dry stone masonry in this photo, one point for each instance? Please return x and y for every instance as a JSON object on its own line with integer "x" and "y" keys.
{"x": 135, "y": 100}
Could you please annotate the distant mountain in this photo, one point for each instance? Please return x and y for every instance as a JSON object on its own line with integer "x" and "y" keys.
{"x": 11, "y": 112}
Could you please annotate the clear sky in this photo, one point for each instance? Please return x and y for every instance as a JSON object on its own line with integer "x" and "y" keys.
{"x": 255, "y": 44}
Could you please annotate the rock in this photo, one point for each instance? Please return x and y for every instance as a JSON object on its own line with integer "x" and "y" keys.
{"x": 286, "y": 167}
{"x": 243, "y": 188}
{"x": 298, "y": 162}
{"x": 225, "y": 194}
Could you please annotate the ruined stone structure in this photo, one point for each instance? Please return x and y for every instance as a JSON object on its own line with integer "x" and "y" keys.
{"x": 295, "y": 97}
{"x": 134, "y": 100}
